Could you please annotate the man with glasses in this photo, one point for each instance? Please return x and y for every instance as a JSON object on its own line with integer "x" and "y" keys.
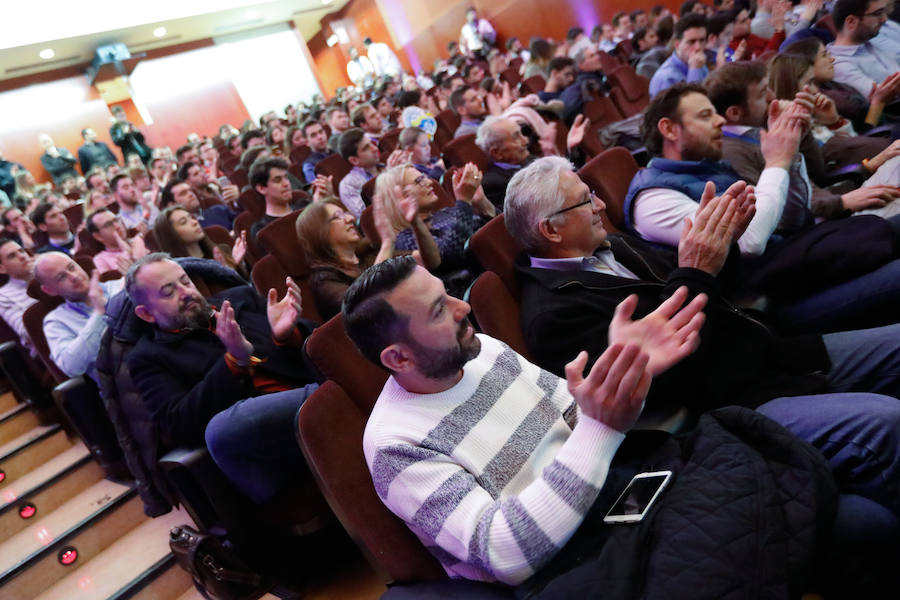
{"x": 118, "y": 251}
{"x": 857, "y": 61}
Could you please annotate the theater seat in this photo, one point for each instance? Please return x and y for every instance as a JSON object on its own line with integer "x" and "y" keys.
{"x": 511, "y": 76}
{"x": 334, "y": 166}
{"x": 609, "y": 63}
{"x": 388, "y": 142}
{"x": 330, "y": 431}
{"x": 368, "y": 191}
{"x": 218, "y": 235}
{"x": 496, "y": 250}
{"x": 447, "y": 123}
{"x": 601, "y": 112}
{"x": 497, "y": 312}
{"x": 243, "y": 222}
{"x": 609, "y": 174}
{"x": 268, "y": 273}
{"x": 252, "y": 201}
{"x": 463, "y": 150}
{"x": 630, "y": 91}
{"x": 533, "y": 84}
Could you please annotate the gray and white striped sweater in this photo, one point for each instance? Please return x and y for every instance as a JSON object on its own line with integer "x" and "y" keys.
{"x": 495, "y": 474}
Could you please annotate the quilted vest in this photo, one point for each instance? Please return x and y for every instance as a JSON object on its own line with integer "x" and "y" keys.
{"x": 686, "y": 176}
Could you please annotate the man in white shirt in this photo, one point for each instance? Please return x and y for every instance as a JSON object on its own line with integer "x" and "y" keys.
{"x": 18, "y": 265}
{"x": 75, "y": 327}
{"x": 476, "y": 35}
{"x": 383, "y": 59}
{"x": 858, "y": 61}
{"x": 360, "y": 69}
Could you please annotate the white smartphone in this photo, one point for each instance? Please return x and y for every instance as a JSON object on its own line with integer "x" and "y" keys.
{"x": 640, "y": 494}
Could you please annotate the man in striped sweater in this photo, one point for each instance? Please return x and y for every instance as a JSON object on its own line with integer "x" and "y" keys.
{"x": 491, "y": 461}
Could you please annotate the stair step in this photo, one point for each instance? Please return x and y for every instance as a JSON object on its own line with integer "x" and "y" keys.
{"x": 16, "y": 421}
{"x": 7, "y": 401}
{"x": 29, "y": 450}
{"x": 91, "y": 521}
{"x": 140, "y": 554}
{"x": 171, "y": 583}
{"x": 47, "y": 488}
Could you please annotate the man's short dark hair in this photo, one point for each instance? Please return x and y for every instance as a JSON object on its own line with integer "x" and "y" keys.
{"x": 358, "y": 116}
{"x": 717, "y": 23}
{"x": 259, "y": 171}
{"x": 114, "y": 182}
{"x": 447, "y": 83}
{"x": 687, "y": 7}
{"x": 249, "y": 135}
{"x": 457, "y": 97}
{"x": 844, "y": 8}
{"x": 182, "y": 150}
{"x": 636, "y": 13}
{"x": 89, "y": 221}
{"x": 249, "y": 156}
{"x": 307, "y": 124}
{"x": 408, "y": 98}
{"x": 689, "y": 21}
{"x": 510, "y": 42}
{"x": 369, "y": 320}
{"x": 6, "y": 240}
{"x": 84, "y": 132}
{"x": 39, "y": 214}
{"x": 349, "y": 142}
{"x": 664, "y": 106}
{"x": 367, "y": 41}
{"x": 558, "y": 63}
{"x": 727, "y": 85}
{"x": 573, "y": 33}
{"x": 167, "y": 197}
{"x": 617, "y": 17}
{"x": 182, "y": 173}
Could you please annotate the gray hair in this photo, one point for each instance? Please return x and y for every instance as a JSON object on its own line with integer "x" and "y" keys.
{"x": 135, "y": 293}
{"x": 579, "y": 56}
{"x": 487, "y": 136}
{"x": 532, "y": 194}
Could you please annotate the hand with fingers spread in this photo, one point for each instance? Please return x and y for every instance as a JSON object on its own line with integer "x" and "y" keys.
{"x": 667, "y": 335}
{"x": 614, "y": 390}
{"x": 383, "y": 225}
{"x": 873, "y": 196}
{"x": 576, "y": 133}
{"x": 283, "y": 314}
{"x": 239, "y": 249}
{"x": 407, "y": 203}
{"x": 219, "y": 257}
{"x": 719, "y": 222}
{"x": 397, "y": 157}
{"x": 466, "y": 182}
{"x": 229, "y": 333}
{"x": 884, "y": 92}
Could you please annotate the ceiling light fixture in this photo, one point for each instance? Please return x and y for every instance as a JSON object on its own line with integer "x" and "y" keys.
{"x": 159, "y": 32}
{"x": 47, "y": 53}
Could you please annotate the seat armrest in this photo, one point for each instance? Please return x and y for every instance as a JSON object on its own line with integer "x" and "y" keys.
{"x": 882, "y": 131}
{"x": 25, "y": 386}
{"x": 641, "y": 156}
{"x": 855, "y": 173}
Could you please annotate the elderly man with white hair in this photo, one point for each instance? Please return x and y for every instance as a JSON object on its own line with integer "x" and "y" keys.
{"x": 506, "y": 146}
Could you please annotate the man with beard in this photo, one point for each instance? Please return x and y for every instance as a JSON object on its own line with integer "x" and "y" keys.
{"x": 858, "y": 62}
{"x": 227, "y": 371}
{"x": 74, "y": 328}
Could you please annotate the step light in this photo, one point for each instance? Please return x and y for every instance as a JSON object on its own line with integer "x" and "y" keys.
{"x": 67, "y": 556}
{"x": 2, "y": 475}
{"x": 27, "y": 510}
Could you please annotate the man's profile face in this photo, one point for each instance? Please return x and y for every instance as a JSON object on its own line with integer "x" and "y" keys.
{"x": 185, "y": 196}
{"x": 759, "y": 96}
{"x": 742, "y": 24}
{"x": 197, "y": 176}
{"x": 170, "y": 299}
{"x": 339, "y": 121}
{"x": 90, "y": 135}
{"x": 439, "y": 338}
{"x": 473, "y": 104}
{"x": 55, "y": 222}
{"x": 108, "y": 226}
{"x": 189, "y": 156}
{"x": 590, "y": 61}
{"x": 373, "y": 121}
{"x": 649, "y": 41}
{"x": 15, "y": 261}
{"x": 699, "y": 128}
{"x": 99, "y": 182}
{"x": 581, "y": 228}
{"x": 61, "y": 276}
{"x": 693, "y": 39}
{"x": 367, "y": 154}
{"x": 513, "y": 147}
{"x": 870, "y": 23}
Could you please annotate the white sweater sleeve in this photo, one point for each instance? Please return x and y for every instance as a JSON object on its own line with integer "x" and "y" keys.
{"x": 507, "y": 539}
{"x": 659, "y": 213}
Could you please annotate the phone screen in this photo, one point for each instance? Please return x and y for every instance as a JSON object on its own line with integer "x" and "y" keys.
{"x": 639, "y": 494}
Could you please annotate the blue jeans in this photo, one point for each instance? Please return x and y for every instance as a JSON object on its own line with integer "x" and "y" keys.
{"x": 865, "y": 360}
{"x": 255, "y": 444}
{"x": 867, "y": 300}
{"x": 859, "y": 435}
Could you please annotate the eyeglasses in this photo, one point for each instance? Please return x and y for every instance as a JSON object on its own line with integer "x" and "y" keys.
{"x": 422, "y": 180}
{"x": 592, "y": 199}
{"x": 881, "y": 12}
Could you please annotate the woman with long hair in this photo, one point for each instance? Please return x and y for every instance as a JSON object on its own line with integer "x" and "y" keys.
{"x": 337, "y": 252}
{"x": 178, "y": 232}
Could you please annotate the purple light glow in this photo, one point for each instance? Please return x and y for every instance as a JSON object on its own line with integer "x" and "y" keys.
{"x": 586, "y": 14}
{"x": 395, "y": 16}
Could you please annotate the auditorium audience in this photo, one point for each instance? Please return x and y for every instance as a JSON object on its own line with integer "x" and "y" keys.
{"x": 857, "y": 61}
{"x": 269, "y": 177}
{"x": 469, "y": 104}
{"x": 18, "y": 266}
{"x": 688, "y": 61}
{"x": 119, "y": 251}
{"x": 179, "y": 233}
{"x": 317, "y": 140}
{"x": 181, "y": 193}
{"x": 50, "y": 219}
{"x": 132, "y": 211}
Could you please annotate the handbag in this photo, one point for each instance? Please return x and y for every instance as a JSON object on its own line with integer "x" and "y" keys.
{"x": 218, "y": 573}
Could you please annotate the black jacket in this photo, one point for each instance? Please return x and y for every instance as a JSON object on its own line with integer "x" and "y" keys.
{"x": 183, "y": 376}
{"x": 740, "y": 359}
{"x": 93, "y": 155}
{"x": 59, "y": 166}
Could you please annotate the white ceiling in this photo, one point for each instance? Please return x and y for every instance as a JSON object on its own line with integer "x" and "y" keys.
{"x": 73, "y": 30}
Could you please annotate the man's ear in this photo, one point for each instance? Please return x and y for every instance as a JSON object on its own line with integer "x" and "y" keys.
{"x": 668, "y": 128}
{"x": 734, "y": 114}
{"x": 353, "y": 160}
{"x": 494, "y": 154}
{"x": 96, "y": 236}
{"x": 47, "y": 291}
{"x": 42, "y": 227}
{"x": 143, "y": 314}
{"x": 548, "y": 232}
{"x": 396, "y": 358}
{"x": 260, "y": 189}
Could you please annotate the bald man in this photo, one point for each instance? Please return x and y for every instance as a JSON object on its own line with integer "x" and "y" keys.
{"x": 75, "y": 327}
